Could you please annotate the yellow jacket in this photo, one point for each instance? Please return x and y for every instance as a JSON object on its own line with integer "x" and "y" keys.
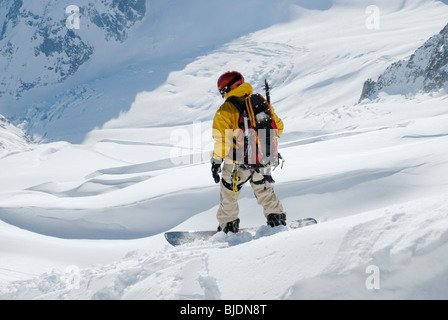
{"x": 225, "y": 124}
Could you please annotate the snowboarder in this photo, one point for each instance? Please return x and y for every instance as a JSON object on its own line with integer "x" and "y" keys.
{"x": 234, "y": 176}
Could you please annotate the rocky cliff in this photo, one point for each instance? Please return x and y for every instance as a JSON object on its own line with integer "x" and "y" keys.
{"x": 425, "y": 71}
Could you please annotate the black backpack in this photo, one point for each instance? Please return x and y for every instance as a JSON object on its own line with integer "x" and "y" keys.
{"x": 256, "y": 142}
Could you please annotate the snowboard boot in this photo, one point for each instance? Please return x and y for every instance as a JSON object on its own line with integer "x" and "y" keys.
{"x": 275, "y": 220}
{"x": 232, "y": 226}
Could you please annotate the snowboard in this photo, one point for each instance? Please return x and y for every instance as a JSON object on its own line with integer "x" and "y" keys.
{"x": 177, "y": 238}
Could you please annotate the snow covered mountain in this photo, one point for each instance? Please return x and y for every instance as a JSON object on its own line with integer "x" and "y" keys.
{"x": 47, "y": 42}
{"x": 425, "y": 71}
{"x": 86, "y": 221}
{"x": 65, "y": 72}
{"x": 12, "y": 139}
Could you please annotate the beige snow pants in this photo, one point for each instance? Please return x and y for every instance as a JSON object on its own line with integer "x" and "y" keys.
{"x": 264, "y": 193}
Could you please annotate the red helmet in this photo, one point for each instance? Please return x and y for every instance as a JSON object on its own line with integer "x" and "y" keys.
{"x": 229, "y": 81}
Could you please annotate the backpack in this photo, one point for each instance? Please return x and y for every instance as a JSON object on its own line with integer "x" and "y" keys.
{"x": 256, "y": 140}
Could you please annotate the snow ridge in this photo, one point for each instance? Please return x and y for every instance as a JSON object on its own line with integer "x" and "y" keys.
{"x": 425, "y": 71}
{"x": 12, "y": 139}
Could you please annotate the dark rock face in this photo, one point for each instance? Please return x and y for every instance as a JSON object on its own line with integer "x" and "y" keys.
{"x": 425, "y": 71}
{"x": 11, "y": 138}
{"x": 37, "y": 49}
{"x": 123, "y": 16}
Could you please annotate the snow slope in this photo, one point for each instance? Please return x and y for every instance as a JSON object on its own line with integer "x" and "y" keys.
{"x": 86, "y": 221}
{"x": 61, "y": 83}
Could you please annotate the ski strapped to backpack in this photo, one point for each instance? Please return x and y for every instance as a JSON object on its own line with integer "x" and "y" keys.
{"x": 256, "y": 141}
{"x": 267, "y": 89}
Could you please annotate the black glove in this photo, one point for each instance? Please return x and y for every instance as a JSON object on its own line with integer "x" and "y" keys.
{"x": 216, "y": 169}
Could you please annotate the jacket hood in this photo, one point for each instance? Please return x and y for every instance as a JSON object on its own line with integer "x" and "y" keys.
{"x": 243, "y": 90}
